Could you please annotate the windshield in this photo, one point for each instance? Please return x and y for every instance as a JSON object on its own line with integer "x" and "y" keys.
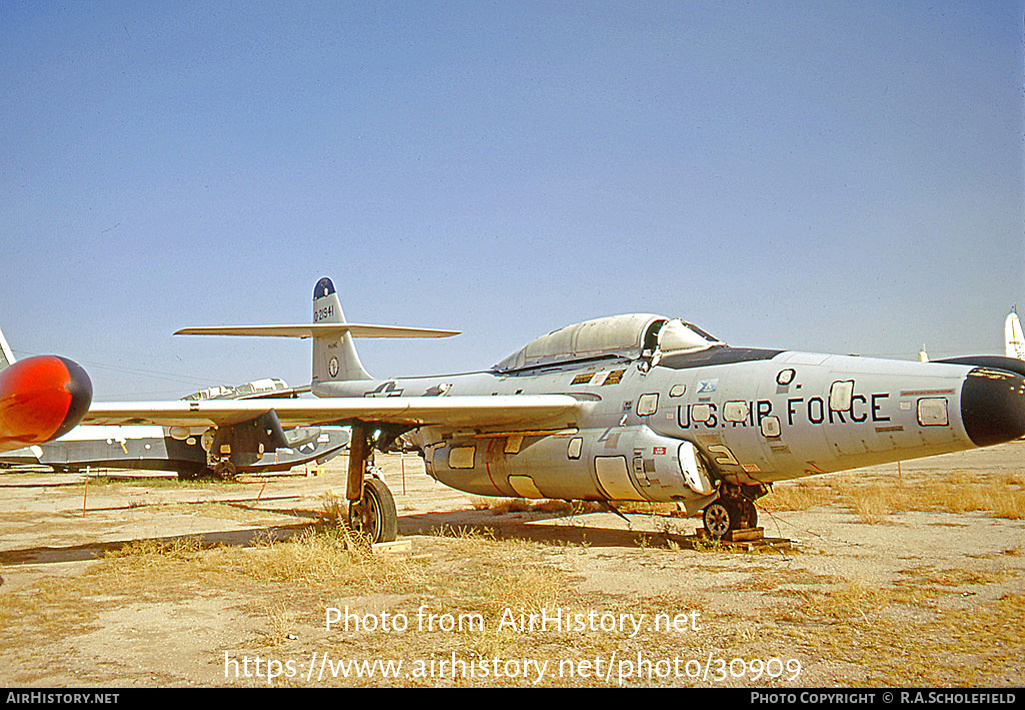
{"x": 680, "y": 336}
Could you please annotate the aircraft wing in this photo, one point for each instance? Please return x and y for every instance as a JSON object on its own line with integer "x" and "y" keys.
{"x": 487, "y": 412}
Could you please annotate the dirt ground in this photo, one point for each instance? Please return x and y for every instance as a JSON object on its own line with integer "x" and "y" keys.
{"x": 151, "y": 582}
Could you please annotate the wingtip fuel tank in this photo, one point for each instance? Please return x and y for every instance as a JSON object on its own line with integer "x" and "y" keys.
{"x": 41, "y": 398}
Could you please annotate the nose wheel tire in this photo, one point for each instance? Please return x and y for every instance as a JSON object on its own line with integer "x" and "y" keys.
{"x": 374, "y": 515}
{"x": 719, "y": 519}
{"x": 727, "y": 514}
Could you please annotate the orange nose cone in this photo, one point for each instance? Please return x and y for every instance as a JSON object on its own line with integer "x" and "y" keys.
{"x": 41, "y": 398}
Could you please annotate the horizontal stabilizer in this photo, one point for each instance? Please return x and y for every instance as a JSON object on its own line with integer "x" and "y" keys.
{"x": 6, "y": 356}
{"x": 319, "y": 330}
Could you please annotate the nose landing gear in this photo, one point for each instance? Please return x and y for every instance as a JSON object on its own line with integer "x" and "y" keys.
{"x": 729, "y": 512}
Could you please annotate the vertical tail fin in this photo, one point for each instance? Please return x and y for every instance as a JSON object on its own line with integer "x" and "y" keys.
{"x": 334, "y": 358}
{"x": 1014, "y": 340}
{"x": 6, "y": 356}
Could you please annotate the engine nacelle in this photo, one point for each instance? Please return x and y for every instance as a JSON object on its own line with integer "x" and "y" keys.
{"x": 619, "y": 463}
{"x": 245, "y": 443}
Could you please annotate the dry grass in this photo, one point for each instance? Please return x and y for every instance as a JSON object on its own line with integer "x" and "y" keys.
{"x": 281, "y": 620}
{"x": 1000, "y": 495}
{"x": 144, "y": 571}
{"x": 147, "y": 551}
{"x": 334, "y": 558}
{"x": 324, "y": 556}
{"x": 53, "y": 608}
{"x": 334, "y": 509}
{"x": 853, "y": 600}
{"x": 474, "y": 574}
{"x": 798, "y": 495}
{"x": 932, "y": 626}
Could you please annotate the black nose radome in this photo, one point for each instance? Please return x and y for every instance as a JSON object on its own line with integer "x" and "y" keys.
{"x": 80, "y": 387}
{"x": 993, "y": 406}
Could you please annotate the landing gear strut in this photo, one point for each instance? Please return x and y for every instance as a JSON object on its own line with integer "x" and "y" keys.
{"x": 371, "y": 505}
{"x": 729, "y": 512}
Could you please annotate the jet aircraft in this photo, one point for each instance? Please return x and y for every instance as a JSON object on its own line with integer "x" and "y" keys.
{"x": 269, "y": 387}
{"x": 1014, "y": 339}
{"x": 636, "y": 407}
{"x": 41, "y": 398}
{"x": 154, "y": 448}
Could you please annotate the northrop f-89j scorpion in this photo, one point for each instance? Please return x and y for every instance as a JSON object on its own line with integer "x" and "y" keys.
{"x": 633, "y": 407}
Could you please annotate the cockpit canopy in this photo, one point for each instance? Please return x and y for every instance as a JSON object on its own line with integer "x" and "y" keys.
{"x": 632, "y": 336}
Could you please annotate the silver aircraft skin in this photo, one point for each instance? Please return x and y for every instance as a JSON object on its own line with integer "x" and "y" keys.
{"x": 637, "y": 407}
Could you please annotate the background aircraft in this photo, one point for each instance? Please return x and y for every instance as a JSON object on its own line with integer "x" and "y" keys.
{"x": 632, "y": 407}
{"x": 177, "y": 449}
{"x": 153, "y": 448}
{"x": 41, "y": 398}
{"x": 268, "y": 387}
{"x": 1014, "y": 340}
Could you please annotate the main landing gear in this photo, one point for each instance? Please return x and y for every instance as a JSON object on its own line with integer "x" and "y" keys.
{"x": 730, "y": 511}
{"x": 371, "y": 505}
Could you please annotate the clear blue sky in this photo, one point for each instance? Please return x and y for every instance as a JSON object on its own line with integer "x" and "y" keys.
{"x": 840, "y": 177}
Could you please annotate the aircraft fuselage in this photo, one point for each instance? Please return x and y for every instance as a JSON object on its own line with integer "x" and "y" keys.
{"x": 755, "y": 416}
{"x": 636, "y": 406}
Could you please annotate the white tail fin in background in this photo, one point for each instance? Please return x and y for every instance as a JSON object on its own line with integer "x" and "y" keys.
{"x": 334, "y": 353}
{"x": 1014, "y": 341}
{"x": 6, "y": 356}
{"x": 334, "y": 357}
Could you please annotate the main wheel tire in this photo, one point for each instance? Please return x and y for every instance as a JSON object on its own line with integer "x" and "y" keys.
{"x": 375, "y": 515}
